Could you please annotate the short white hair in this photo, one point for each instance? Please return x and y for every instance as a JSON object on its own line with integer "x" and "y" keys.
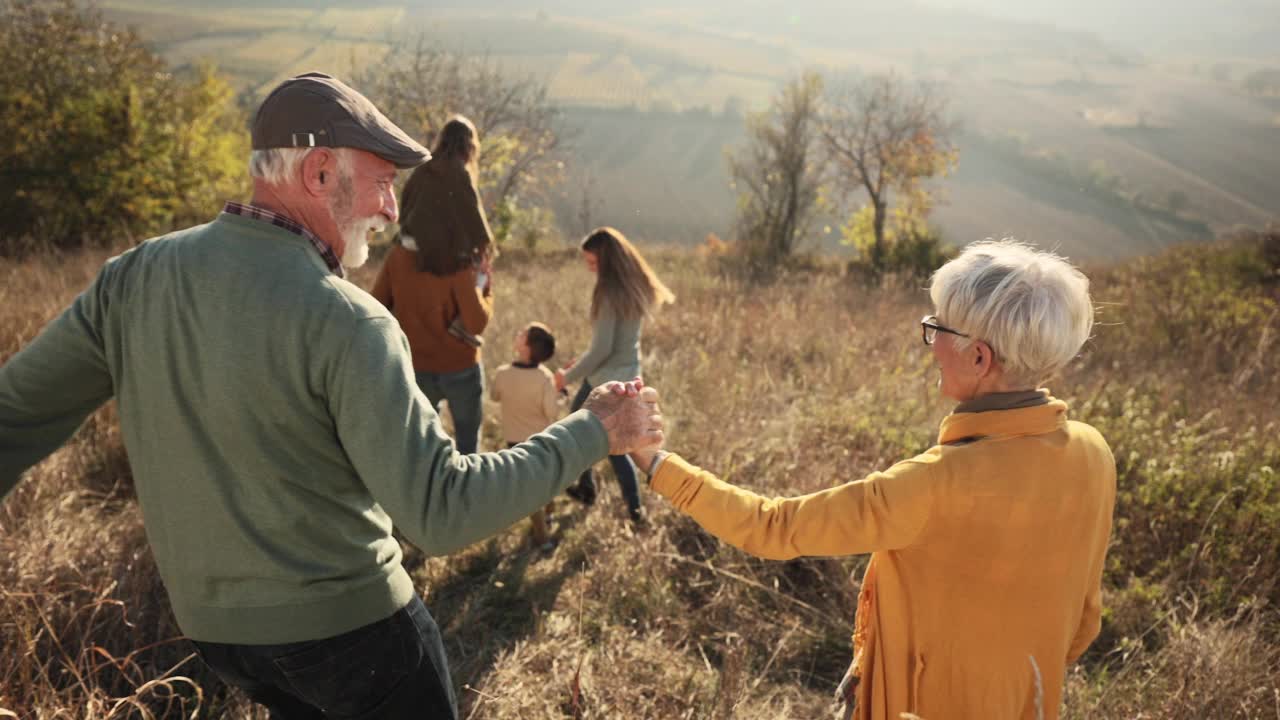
{"x": 1031, "y": 307}
{"x": 279, "y": 166}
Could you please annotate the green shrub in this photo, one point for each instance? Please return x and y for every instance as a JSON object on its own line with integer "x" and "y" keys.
{"x": 1205, "y": 315}
{"x": 912, "y": 257}
{"x": 101, "y": 141}
{"x": 526, "y": 225}
{"x": 1198, "y": 503}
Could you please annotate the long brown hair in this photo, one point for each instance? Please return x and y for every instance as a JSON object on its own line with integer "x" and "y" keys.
{"x": 623, "y": 279}
{"x": 457, "y": 143}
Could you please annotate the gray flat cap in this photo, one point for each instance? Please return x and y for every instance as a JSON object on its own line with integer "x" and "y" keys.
{"x": 318, "y": 110}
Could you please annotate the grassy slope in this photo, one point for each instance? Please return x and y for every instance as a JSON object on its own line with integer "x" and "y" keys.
{"x": 785, "y": 389}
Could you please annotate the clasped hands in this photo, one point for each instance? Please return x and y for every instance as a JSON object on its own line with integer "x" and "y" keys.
{"x": 630, "y": 414}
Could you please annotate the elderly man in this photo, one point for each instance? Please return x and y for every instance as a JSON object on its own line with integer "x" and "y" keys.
{"x": 275, "y": 430}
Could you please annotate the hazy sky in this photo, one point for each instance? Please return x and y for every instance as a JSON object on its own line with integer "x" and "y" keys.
{"x": 1222, "y": 27}
{"x": 1153, "y": 24}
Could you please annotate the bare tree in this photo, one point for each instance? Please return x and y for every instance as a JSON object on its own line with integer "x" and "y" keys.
{"x": 420, "y": 84}
{"x": 588, "y": 203}
{"x": 776, "y": 175}
{"x": 884, "y": 136}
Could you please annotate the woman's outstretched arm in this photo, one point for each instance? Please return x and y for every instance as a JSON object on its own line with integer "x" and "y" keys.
{"x": 884, "y": 511}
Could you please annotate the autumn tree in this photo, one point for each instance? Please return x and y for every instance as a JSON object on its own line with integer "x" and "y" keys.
{"x": 778, "y": 172}
{"x": 421, "y": 84}
{"x": 101, "y": 142}
{"x": 886, "y": 138}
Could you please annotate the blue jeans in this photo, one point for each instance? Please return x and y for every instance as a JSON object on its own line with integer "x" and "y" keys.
{"x": 394, "y": 669}
{"x": 464, "y": 390}
{"x": 623, "y": 468}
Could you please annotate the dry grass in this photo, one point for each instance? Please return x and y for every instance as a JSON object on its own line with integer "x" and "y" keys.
{"x": 1223, "y": 668}
{"x": 786, "y": 388}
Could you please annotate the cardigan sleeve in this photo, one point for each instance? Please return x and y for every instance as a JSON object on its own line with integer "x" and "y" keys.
{"x": 884, "y": 511}
{"x": 602, "y": 332}
{"x": 1091, "y": 614}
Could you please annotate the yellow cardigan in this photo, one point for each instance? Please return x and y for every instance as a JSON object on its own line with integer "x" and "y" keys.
{"x": 986, "y": 567}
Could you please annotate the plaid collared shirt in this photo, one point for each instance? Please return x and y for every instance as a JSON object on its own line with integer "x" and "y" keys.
{"x": 256, "y": 213}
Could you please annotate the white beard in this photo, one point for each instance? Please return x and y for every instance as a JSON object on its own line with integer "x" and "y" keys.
{"x": 355, "y": 231}
{"x": 355, "y": 235}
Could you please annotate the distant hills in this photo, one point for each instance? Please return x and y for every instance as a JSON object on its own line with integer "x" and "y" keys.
{"x": 1082, "y": 136}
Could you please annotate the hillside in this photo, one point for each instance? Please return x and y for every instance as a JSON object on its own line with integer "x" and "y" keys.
{"x": 1166, "y": 125}
{"x": 667, "y": 622}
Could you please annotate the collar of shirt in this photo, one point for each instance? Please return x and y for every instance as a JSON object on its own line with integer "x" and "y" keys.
{"x": 1004, "y": 401}
{"x": 254, "y": 212}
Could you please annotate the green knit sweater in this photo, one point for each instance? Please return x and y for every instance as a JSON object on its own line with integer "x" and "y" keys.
{"x": 275, "y": 432}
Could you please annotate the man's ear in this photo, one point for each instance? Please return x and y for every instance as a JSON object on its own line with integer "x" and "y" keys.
{"x": 319, "y": 171}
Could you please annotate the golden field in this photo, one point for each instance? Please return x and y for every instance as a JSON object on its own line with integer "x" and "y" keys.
{"x": 788, "y": 387}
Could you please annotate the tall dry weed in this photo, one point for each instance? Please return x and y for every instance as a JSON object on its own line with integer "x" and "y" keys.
{"x": 785, "y": 388}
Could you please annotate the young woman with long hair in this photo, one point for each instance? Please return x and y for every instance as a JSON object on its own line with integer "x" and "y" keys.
{"x": 626, "y": 292}
{"x": 437, "y": 279}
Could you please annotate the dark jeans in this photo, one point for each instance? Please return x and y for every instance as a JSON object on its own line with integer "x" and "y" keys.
{"x": 623, "y": 468}
{"x": 394, "y": 669}
{"x": 464, "y": 390}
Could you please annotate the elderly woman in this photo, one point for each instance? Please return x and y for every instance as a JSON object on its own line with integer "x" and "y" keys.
{"x": 987, "y": 549}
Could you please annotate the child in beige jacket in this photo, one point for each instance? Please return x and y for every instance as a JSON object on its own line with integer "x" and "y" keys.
{"x": 526, "y": 390}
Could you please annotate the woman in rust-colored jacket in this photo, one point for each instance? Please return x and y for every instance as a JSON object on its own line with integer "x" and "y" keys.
{"x": 436, "y": 279}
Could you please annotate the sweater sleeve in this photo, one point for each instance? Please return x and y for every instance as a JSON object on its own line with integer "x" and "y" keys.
{"x": 602, "y": 332}
{"x": 475, "y": 305}
{"x": 885, "y": 511}
{"x": 49, "y": 387}
{"x": 440, "y": 499}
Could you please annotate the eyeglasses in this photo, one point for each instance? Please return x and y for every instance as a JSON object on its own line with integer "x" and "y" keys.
{"x": 929, "y": 329}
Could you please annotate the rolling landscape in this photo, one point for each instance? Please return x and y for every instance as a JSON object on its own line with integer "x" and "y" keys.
{"x": 1139, "y": 139}
{"x": 1084, "y": 137}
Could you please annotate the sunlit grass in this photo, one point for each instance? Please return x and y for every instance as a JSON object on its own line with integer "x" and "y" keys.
{"x": 785, "y": 388}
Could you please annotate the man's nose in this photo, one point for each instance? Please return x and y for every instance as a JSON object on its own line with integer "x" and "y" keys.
{"x": 389, "y": 207}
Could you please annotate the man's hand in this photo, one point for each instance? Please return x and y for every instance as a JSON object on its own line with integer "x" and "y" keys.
{"x": 644, "y": 457}
{"x": 629, "y": 412}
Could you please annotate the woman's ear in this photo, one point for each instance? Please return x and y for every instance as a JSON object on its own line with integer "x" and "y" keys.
{"x": 983, "y": 358}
